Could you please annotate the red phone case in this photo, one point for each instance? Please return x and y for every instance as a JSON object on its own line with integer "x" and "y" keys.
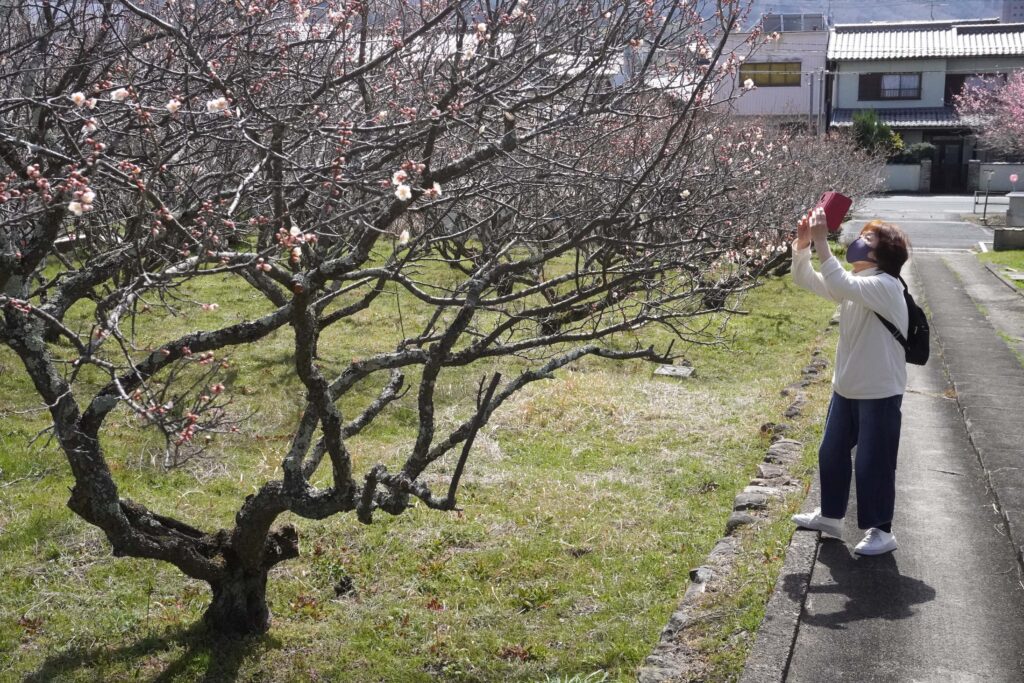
{"x": 835, "y": 205}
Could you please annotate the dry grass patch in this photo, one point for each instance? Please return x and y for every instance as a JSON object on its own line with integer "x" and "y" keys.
{"x": 586, "y": 500}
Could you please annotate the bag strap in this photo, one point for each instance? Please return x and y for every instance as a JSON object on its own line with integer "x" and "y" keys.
{"x": 894, "y": 330}
{"x": 888, "y": 325}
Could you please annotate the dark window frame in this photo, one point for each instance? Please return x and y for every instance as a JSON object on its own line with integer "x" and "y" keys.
{"x": 784, "y": 77}
{"x": 869, "y": 87}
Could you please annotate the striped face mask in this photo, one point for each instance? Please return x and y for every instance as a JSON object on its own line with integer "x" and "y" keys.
{"x": 858, "y": 251}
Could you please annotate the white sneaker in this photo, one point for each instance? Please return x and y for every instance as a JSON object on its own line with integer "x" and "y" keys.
{"x": 814, "y": 520}
{"x": 876, "y": 542}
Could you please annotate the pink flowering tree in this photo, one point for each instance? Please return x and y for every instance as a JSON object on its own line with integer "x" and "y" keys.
{"x": 561, "y": 165}
{"x": 994, "y": 107}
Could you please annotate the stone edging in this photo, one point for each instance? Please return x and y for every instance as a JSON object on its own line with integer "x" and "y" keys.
{"x": 673, "y": 658}
{"x": 992, "y": 268}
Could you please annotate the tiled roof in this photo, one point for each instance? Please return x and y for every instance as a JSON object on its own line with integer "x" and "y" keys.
{"x": 920, "y": 117}
{"x": 975, "y": 38}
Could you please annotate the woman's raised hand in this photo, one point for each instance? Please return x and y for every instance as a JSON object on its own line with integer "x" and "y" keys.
{"x": 819, "y": 224}
{"x": 803, "y": 231}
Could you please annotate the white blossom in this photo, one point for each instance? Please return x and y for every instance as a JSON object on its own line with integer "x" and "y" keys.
{"x": 214, "y": 106}
{"x": 294, "y": 231}
{"x": 76, "y": 208}
{"x": 404, "y": 237}
{"x": 399, "y": 177}
{"x": 88, "y": 197}
{"x": 173, "y": 105}
{"x": 684, "y": 194}
{"x": 119, "y": 95}
{"x": 89, "y": 126}
{"x": 481, "y": 27}
{"x": 436, "y": 190}
{"x": 90, "y": 103}
{"x": 403, "y": 192}
{"x": 748, "y": 84}
{"x": 78, "y": 98}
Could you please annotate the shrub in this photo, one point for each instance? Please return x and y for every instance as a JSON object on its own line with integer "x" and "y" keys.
{"x": 914, "y": 154}
{"x": 874, "y": 135}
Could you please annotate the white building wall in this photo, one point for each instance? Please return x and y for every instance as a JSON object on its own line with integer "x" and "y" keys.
{"x": 902, "y": 178}
{"x": 1000, "y": 177}
{"x": 1013, "y": 12}
{"x": 984, "y": 65}
{"x": 809, "y": 48}
{"x": 847, "y": 80}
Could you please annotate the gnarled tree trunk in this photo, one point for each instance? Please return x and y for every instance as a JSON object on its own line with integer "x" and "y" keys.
{"x": 239, "y": 605}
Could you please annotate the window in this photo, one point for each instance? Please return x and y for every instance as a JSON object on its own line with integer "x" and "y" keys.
{"x": 771, "y": 74}
{"x": 954, "y": 86}
{"x": 889, "y": 87}
{"x": 787, "y": 23}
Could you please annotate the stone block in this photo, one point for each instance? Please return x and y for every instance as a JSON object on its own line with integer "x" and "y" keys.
{"x": 681, "y": 371}
{"x": 750, "y": 501}
{"x": 701, "y": 574}
{"x": 723, "y": 552}
{"x": 766, "y": 470}
{"x": 738, "y": 519}
{"x": 766, "y": 491}
{"x": 773, "y": 483}
{"x": 1007, "y": 239}
{"x": 784, "y": 452}
{"x": 1015, "y": 214}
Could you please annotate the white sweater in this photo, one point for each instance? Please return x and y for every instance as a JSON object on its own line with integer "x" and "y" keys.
{"x": 870, "y": 363}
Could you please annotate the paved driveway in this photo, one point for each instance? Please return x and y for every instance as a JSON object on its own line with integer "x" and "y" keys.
{"x": 931, "y": 222}
{"x": 948, "y": 605}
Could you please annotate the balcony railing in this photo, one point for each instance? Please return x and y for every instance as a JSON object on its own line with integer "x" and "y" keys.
{"x": 901, "y": 93}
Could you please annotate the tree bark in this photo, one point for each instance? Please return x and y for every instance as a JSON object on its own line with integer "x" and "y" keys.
{"x": 239, "y": 605}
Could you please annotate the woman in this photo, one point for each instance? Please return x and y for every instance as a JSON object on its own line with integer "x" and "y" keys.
{"x": 869, "y": 380}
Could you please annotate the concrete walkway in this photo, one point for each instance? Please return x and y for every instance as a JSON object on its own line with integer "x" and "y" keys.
{"x": 948, "y": 605}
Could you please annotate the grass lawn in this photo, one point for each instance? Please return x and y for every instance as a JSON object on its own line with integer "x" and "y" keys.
{"x": 1010, "y": 259}
{"x": 586, "y": 501}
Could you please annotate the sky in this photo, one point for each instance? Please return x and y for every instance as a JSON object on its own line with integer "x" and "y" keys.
{"x": 855, "y": 11}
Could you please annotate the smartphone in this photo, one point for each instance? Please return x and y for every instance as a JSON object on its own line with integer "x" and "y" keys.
{"x": 835, "y": 205}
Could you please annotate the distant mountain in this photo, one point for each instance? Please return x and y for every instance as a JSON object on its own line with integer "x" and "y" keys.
{"x": 862, "y": 11}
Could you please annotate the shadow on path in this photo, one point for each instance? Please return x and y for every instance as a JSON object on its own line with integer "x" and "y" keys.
{"x": 873, "y": 588}
{"x": 205, "y": 657}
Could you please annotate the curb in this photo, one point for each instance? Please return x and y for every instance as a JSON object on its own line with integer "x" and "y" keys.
{"x": 992, "y": 268}
{"x": 768, "y": 661}
{"x": 1002, "y": 472}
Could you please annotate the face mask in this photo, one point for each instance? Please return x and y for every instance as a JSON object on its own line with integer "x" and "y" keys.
{"x": 858, "y": 251}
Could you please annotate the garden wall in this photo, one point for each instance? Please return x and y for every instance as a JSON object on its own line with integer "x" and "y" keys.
{"x": 1001, "y": 172}
{"x": 902, "y": 177}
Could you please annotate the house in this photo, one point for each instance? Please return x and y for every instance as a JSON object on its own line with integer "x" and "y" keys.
{"x": 788, "y": 73}
{"x": 909, "y": 73}
{"x": 1013, "y": 11}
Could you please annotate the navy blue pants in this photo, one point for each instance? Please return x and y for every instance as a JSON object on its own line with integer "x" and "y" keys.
{"x": 873, "y": 426}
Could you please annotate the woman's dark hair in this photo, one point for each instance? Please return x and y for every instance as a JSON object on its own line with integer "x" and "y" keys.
{"x": 892, "y": 248}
